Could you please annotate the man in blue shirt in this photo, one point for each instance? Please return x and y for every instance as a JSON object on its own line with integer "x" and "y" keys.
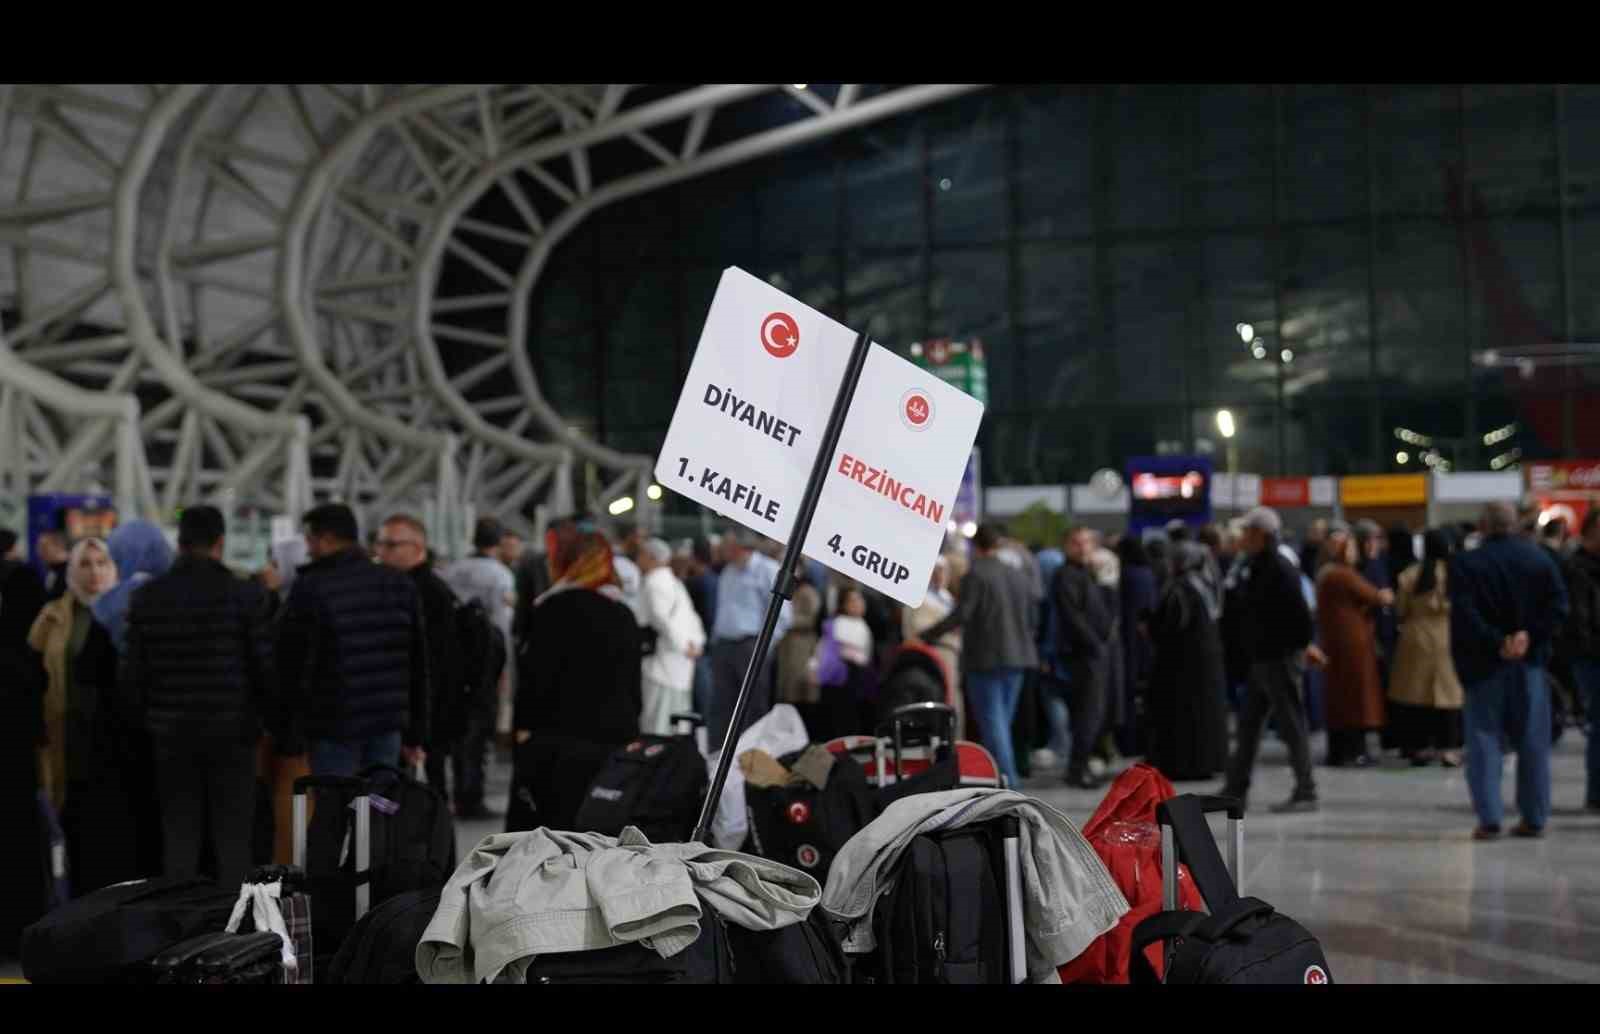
{"x": 743, "y": 591}
{"x": 1507, "y": 598}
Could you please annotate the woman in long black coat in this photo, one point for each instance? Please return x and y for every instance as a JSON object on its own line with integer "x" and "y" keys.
{"x": 1186, "y": 718}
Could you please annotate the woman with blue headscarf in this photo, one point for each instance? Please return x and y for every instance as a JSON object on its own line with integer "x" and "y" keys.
{"x": 141, "y": 552}
{"x": 128, "y": 782}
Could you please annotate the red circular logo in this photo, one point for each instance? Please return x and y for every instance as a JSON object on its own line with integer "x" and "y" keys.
{"x": 807, "y": 856}
{"x": 780, "y": 335}
{"x": 1316, "y": 975}
{"x": 916, "y": 409}
{"x": 799, "y": 813}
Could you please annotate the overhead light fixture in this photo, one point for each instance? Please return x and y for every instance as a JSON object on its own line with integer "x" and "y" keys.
{"x": 1246, "y": 332}
{"x": 653, "y": 493}
{"x": 1286, "y": 355}
{"x": 799, "y": 86}
{"x": 944, "y": 184}
{"x": 969, "y": 529}
{"x": 1500, "y": 434}
{"x": 1225, "y": 425}
{"x": 1402, "y": 458}
{"x": 1260, "y": 352}
{"x": 620, "y": 506}
{"x": 952, "y": 527}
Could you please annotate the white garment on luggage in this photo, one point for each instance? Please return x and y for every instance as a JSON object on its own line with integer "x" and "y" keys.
{"x": 262, "y": 899}
{"x": 780, "y": 731}
{"x": 521, "y": 895}
{"x": 661, "y": 702}
{"x": 1068, "y": 897}
{"x": 665, "y": 606}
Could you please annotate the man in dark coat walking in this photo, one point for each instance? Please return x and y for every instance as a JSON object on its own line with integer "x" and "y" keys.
{"x": 1507, "y": 598}
{"x": 351, "y": 654}
{"x": 1084, "y": 619}
{"x": 403, "y": 546}
{"x": 1275, "y": 630}
{"x": 198, "y": 666}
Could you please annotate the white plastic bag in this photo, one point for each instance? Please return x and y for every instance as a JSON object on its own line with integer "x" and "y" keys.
{"x": 262, "y": 900}
{"x": 780, "y": 731}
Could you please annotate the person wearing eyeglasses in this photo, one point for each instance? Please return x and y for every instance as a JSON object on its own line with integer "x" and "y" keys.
{"x": 403, "y": 546}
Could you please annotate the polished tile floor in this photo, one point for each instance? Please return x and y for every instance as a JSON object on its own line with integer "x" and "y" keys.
{"x": 1387, "y": 875}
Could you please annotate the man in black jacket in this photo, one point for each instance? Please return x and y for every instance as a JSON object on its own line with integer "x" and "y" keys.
{"x": 403, "y": 546}
{"x": 1506, "y": 601}
{"x": 1275, "y": 639}
{"x": 197, "y": 665}
{"x": 1084, "y": 630}
{"x": 1581, "y": 638}
{"x": 352, "y": 655}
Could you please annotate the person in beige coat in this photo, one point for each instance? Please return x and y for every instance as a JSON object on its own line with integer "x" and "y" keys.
{"x": 1425, "y": 696}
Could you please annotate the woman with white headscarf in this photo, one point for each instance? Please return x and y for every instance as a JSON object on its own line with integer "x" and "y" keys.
{"x": 1188, "y": 730}
{"x": 76, "y": 665}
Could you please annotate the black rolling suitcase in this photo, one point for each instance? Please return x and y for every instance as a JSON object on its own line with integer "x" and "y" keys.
{"x": 954, "y": 914}
{"x": 656, "y": 783}
{"x": 1241, "y": 940}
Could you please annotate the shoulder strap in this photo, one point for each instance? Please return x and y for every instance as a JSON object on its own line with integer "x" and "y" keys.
{"x": 1162, "y": 926}
{"x": 1197, "y": 848}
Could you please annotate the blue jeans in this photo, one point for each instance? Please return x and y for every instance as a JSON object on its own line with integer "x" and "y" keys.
{"x": 702, "y": 684}
{"x": 1054, "y": 690}
{"x": 1586, "y": 673}
{"x": 348, "y": 757}
{"x": 994, "y": 694}
{"x": 1514, "y": 702}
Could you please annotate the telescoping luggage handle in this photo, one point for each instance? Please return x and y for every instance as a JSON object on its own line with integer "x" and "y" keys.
{"x": 1016, "y": 948}
{"x": 1186, "y": 838}
{"x": 363, "y": 830}
{"x": 942, "y": 717}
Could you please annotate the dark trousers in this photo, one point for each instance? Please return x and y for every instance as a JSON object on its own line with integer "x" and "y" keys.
{"x": 1413, "y": 728}
{"x": 1087, "y": 680}
{"x": 1274, "y": 688}
{"x": 467, "y": 757}
{"x": 207, "y": 788}
{"x": 729, "y": 659}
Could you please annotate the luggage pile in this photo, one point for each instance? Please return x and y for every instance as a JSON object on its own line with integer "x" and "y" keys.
{"x": 378, "y": 838}
{"x": 898, "y": 858}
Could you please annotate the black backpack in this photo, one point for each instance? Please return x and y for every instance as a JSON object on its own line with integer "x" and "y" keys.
{"x": 656, "y": 783}
{"x": 944, "y": 921}
{"x": 413, "y": 836}
{"x": 805, "y": 827}
{"x": 802, "y": 953}
{"x": 483, "y": 649}
{"x": 1242, "y": 940}
{"x": 382, "y": 948}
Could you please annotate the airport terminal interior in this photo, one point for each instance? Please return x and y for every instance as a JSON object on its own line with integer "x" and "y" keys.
{"x": 1100, "y": 442}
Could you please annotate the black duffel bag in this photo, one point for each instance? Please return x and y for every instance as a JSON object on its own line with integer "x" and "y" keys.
{"x": 1243, "y": 940}
{"x": 100, "y": 936}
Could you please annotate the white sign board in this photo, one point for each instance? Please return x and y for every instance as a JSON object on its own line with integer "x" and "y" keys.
{"x": 750, "y": 420}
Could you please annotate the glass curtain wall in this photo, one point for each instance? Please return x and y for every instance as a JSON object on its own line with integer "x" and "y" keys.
{"x": 1110, "y": 245}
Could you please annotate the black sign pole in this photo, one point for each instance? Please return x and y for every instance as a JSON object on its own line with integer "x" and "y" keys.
{"x": 784, "y": 587}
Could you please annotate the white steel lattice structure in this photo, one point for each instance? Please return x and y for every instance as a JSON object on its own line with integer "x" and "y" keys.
{"x": 259, "y": 270}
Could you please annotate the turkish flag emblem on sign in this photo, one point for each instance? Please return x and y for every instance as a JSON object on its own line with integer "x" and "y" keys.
{"x": 1285, "y": 492}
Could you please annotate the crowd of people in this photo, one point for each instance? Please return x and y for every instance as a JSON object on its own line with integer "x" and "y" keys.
{"x": 154, "y": 686}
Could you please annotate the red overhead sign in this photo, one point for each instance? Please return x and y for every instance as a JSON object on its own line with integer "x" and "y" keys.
{"x": 1285, "y": 492}
{"x": 1564, "y": 476}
